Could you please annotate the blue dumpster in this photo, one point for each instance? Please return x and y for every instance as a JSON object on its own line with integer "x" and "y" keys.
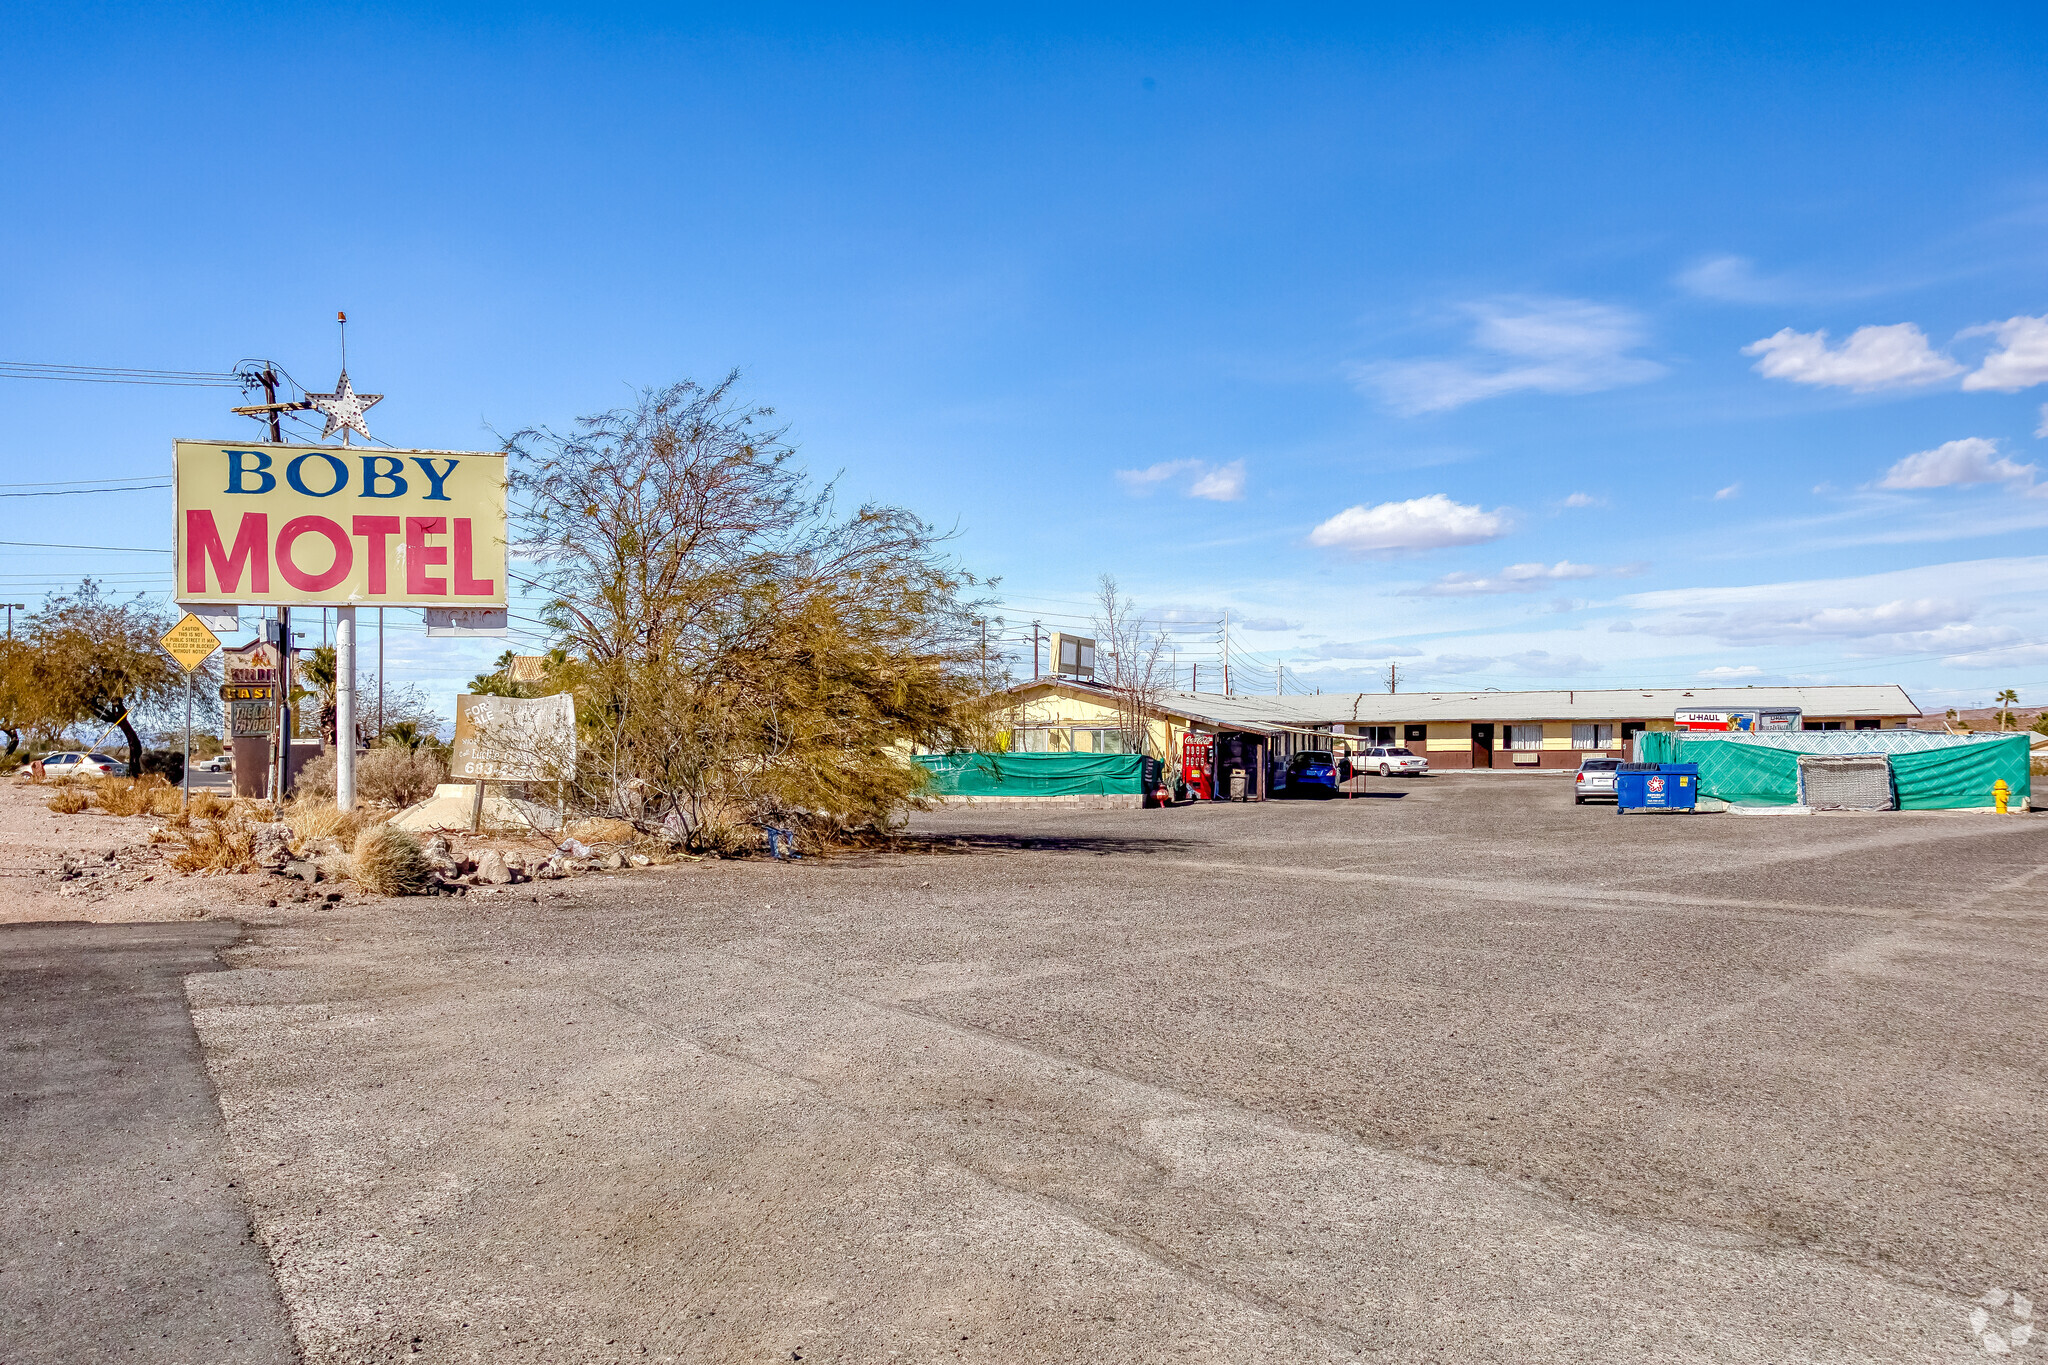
{"x": 1656, "y": 786}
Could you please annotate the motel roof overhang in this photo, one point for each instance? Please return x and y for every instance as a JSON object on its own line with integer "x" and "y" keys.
{"x": 1273, "y": 714}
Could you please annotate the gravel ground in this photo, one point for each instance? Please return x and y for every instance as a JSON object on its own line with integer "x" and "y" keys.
{"x": 1457, "y": 1071}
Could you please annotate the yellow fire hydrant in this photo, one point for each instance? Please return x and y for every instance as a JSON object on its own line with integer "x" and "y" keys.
{"x": 2000, "y": 795}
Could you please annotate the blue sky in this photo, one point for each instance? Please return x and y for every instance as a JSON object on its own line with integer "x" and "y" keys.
{"x": 1566, "y": 353}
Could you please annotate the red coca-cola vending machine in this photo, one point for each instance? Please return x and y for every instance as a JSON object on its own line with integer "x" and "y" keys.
{"x": 1198, "y": 766}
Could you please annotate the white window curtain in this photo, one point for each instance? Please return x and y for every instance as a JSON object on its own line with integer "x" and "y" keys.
{"x": 1592, "y": 736}
{"x": 1525, "y": 736}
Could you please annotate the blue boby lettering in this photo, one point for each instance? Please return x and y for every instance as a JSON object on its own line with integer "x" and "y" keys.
{"x": 236, "y": 469}
{"x": 372, "y": 476}
{"x": 293, "y": 477}
{"x": 439, "y": 494}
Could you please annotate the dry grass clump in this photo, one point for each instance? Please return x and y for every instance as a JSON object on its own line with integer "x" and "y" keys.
{"x": 207, "y": 806}
{"x": 217, "y": 846}
{"x": 312, "y": 820}
{"x": 390, "y": 862}
{"x": 604, "y": 831}
{"x": 127, "y": 795}
{"x": 68, "y": 802}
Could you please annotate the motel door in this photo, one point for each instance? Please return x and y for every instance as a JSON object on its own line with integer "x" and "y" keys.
{"x": 1482, "y": 745}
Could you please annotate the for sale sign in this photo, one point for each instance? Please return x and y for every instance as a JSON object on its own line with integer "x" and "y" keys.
{"x": 286, "y": 525}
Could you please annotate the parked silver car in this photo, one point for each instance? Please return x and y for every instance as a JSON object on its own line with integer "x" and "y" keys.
{"x": 1390, "y": 760}
{"x": 1595, "y": 778}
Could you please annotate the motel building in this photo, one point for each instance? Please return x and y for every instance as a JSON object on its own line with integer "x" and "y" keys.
{"x": 1453, "y": 730}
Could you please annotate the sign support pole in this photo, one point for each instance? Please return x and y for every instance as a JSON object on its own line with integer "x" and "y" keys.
{"x": 345, "y": 708}
{"x": 185, "y": 801}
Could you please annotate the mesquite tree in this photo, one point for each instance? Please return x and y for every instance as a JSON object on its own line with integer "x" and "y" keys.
{"x": 1133, "y": 660}
{"x": 91, "y": 657}
{"x": 742, "y": 653}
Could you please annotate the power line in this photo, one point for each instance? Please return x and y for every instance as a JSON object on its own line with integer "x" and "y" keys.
{"x": 118, "y": 374}
{"x": 73, "y": 492}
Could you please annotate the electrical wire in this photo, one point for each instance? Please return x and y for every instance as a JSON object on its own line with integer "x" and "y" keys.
{"x": 114, "y": 374}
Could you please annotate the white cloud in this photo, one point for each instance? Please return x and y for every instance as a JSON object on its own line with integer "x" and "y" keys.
{"x": 2025, "y": 656}
{"x": 1224, "y": 483}
{"x": 1926, "y": 624}
{"x": 1973, "y": 459}
{"x": 1218, "y": 483}
{"x": 1732, "y": 279}
{"x": 1896, "y": 356}
{"x": 1588, "y": 500}
{"x": 1535, "y": 663}
{"x": 1144, "y": 480}
{"x": 1356, "y": 651}
{"x": 2042, "y": 430}
{"x": 2021, "y": 360}
{"x": 1430, "y": 523}
{"x": 1514, "y": 578}
{"x": 1732, "y": 490}
{"x": 1728, "y": 673}
{"x": 1269, "y": 623}
{"x": 1536, "y": 345}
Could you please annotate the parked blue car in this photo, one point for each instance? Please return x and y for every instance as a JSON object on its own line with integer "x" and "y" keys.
{"x": 1312, "y": 772}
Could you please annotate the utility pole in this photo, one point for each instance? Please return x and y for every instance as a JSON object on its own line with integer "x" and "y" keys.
{"x": 1393, "y": 676}
{"x": 1194, "y": 677}
{"x": 10, "y": 615}
{"x": 983, "y": 623}
{"x": 1226, "y": 651}
{"x": 1034, "y": 651}
{"x": 1280, "y": 680}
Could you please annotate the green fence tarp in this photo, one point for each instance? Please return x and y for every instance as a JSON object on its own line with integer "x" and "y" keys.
{"x": 1744, "y": 774}
{"x": 1948, "y": 779}
{"x": 1927, "y": 773}
{"x": 1035, "y": 774}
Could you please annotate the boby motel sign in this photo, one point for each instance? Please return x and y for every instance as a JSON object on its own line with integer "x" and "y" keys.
{"x": 283, "y": 526}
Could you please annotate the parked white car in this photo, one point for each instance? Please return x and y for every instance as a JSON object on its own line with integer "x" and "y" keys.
{"x": 83, "y": 765}
{"x": 1392, "y": 761}
{"x": 219, "y": 763}
{"x": 1595, "y": 778}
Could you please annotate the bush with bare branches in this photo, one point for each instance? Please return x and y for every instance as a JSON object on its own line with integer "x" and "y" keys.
{"x": 743, "y": 651}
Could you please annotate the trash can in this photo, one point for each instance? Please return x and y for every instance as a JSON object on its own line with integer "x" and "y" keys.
{"x": 1656, "y": 786}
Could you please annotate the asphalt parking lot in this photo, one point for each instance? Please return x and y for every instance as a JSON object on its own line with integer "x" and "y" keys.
{"x": 1455, "y": 1071}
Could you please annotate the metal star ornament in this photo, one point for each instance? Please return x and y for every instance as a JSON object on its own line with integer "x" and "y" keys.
{"x": 344, "y": 409}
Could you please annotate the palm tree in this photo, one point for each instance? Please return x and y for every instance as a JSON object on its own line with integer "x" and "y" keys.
{"x": 318, "y": 672}
{"x": 2006, "y": 701}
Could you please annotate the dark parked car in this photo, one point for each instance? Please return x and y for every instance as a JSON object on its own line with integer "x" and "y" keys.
{"x": 1313, "y": 772}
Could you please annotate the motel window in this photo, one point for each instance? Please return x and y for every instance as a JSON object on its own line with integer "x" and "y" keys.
{"x": 1823, "y": 725}
{"x": 1375, "y": 734}
{"x": 1594, "y": 736}
{"x": 1100, "y": 742}
{"x": 1869, "y": 724}
{"x": 1414, "y": 735}
{"x": 1525, "y": 736}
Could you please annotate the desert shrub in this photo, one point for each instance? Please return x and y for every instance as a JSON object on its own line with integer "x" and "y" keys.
{"x": 389, "y": 862}
{"x": 208, "y": 805}
{"x": 216, "y": 846}
{"x": 168, "y": 801}
{"x": 399, "y": 775}
{"x": 316, "y": 780}
{"x": 68, "y": 802}
{"x": 169, "y": 764}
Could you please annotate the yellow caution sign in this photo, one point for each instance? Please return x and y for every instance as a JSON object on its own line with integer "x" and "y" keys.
{"x": 190, "y": 643}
